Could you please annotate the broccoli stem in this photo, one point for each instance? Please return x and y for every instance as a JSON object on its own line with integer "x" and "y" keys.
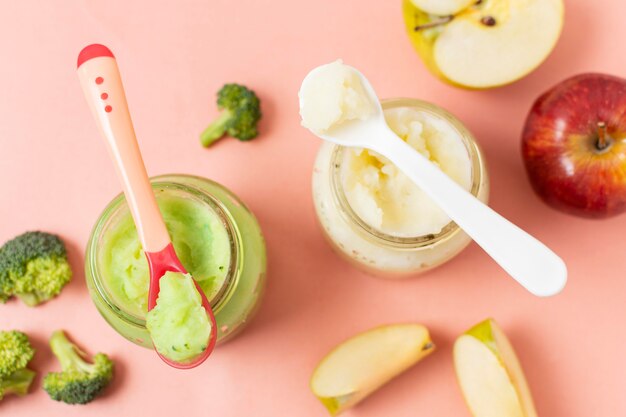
{"x": 67, "y": 353}
{"x": 30, "y": 299}
{"x": 17, "y": 383}
{"x": 216, "y": 129}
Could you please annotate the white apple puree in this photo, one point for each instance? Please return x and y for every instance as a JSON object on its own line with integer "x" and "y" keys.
{"x": 388, "y": 201}
{"x": 333, "y": 94}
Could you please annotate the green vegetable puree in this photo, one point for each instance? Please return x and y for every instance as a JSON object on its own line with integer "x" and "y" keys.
{"x": 178, "y": 324}
{"x": 199, "y": 237}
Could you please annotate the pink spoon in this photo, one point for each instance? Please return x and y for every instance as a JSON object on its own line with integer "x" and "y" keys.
{"x": 102, "y": 85}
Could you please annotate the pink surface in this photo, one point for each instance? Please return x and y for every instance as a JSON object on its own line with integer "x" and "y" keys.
{"x": 57, "y": 176}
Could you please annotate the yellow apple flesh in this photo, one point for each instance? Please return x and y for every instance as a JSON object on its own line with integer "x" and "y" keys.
{"x": 490, "y": 375}
{"x": 365, "y": 362}
{"x": 484, "y": 44}
{"x": 442, "y": 7}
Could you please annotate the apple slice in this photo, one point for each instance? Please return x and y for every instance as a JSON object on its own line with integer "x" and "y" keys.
{"x": 365, "y": 362}
{"x": 486, "y": 43}
{"x": 490, "y": 374}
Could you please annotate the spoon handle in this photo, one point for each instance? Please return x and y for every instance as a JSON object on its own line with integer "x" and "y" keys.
{"x": 102, "y": 85}
{"x": 526, "y": 259}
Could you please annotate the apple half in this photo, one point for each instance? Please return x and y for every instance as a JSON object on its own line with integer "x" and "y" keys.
{"x": 483, "y": 43}
{"x": 362, "y": 364}
{"x": 490, "y": 375}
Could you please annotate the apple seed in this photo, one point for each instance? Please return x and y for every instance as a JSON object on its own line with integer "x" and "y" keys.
{"x": 488, "y": 21}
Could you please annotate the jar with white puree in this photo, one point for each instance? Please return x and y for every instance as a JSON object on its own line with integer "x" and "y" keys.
{"x": 217, "y": 239}
{"x": 375, "y": 216}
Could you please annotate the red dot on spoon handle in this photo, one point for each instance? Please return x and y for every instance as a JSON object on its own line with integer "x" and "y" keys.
{"x": 108, "y": 109}
{"x": 104, "y": 96}
{"x": 99, "y": 80}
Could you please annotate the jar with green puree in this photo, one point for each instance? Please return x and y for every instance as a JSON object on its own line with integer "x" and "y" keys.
{"x": 216, "y": 237}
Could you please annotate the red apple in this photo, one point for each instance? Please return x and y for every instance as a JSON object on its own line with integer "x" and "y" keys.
{"x": 574, "y": 145}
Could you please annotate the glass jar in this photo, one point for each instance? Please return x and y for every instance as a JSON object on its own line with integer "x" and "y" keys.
{"x": 239, "y": 295}
{"x": 370, "y": 249}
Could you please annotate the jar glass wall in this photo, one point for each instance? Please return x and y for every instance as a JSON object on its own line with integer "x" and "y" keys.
{"x": 237, "y": 296}
{"x": 370, "y": 249}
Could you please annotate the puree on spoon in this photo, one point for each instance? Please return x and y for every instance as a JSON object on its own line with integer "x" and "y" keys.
{"x": 335, "y": 95}
{"x": 179, "y": 324}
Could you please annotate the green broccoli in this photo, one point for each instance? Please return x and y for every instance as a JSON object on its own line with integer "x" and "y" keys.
{"x": 33, "y": 267}
{"x": 241, "y": 111}
{"x": 17, "y": 383}
{"x": 79, "y": 382}
{"x": 15, "y": 354}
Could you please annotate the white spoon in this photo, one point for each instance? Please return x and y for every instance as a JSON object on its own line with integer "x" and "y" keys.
{"x": 527, "y": 260}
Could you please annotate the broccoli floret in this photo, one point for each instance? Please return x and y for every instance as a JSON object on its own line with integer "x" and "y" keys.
{"x": 33, "y": 267}
{"x": 79, "y": 382}
{"x": 241, "y": 112}
{"x": 15, "y": 354}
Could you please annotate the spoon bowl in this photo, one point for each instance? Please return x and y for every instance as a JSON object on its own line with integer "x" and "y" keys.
{"x": 524, "y": 258}
{"x": 164, "y": 261}
{"x": 361, "y": 133}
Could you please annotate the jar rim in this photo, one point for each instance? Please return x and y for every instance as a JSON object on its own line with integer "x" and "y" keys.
{"x": 170, "y": 182}
{"x": 449, "y": 230}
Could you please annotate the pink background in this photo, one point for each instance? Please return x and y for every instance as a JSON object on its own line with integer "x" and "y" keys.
{"x": 57, "y": 176}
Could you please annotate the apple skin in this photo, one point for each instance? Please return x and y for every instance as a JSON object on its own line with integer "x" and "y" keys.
{"x": 424, "y": 43}
{"x": 559, "y": 146}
